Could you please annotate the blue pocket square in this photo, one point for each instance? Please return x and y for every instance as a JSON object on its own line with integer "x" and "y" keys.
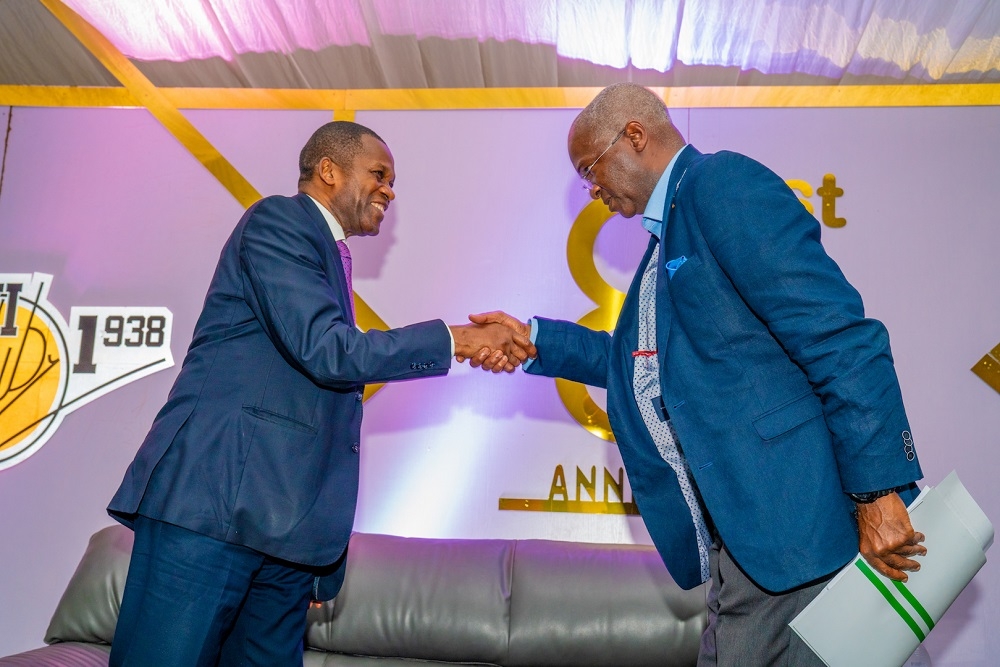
{"x": 674, "y": 264}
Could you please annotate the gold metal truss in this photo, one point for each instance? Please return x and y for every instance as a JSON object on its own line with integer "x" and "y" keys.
{"x": 698, "y": 97}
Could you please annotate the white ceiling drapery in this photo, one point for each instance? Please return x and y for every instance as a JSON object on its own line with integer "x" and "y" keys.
{"x": 335, "y": 44}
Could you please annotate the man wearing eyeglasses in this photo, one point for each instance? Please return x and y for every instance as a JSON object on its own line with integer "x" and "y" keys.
{"x": 756, "y": 409}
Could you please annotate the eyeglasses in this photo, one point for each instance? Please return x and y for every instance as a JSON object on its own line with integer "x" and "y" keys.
{"x": 588, "y": 172}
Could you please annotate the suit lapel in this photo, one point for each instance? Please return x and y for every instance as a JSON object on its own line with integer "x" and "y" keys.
{"x": 664, "y": 304}
{"x": 337, "y": 276}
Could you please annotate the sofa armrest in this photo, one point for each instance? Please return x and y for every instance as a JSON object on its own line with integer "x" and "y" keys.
{"x": 88, "y": 610}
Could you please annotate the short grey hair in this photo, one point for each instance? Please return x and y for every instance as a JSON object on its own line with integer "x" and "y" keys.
{"x": 618, "y": 104}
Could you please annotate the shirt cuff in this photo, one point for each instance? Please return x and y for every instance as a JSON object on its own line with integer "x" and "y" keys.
{"x": 533, "y": 335}
{"x": 451, "y": 337}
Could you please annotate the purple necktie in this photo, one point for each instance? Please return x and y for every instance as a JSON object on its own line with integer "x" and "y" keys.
{"x": 345, "y": 257}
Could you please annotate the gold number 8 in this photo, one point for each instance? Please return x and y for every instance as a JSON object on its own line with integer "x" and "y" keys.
{"x": 580, "y": 257}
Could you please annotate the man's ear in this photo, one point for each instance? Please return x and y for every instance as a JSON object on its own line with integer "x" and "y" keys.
{"x": 329, "y": 172}
{"x": 636, "y": 135}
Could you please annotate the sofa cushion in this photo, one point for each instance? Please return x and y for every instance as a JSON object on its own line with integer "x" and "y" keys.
{"x": 71, "y": 654}
{"x": 429, "y": 599}
{"x": 576, "y": 604}
{"x": 88, "y": 610}
{"x": 323, "y": 659}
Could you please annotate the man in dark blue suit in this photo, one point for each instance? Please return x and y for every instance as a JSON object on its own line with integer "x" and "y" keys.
{"x": 242, "y": 495}
{"x": 756, "y": 408}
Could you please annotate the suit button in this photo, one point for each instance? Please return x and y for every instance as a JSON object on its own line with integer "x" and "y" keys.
{"x": 356, "y": 448}
{"x": 360, "y": 395}
{"x": 413, "y": 367}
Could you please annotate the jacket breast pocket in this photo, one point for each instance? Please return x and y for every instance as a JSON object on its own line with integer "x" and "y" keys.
{"x": 786, "y": 417}
{"x": 686, "y": 266}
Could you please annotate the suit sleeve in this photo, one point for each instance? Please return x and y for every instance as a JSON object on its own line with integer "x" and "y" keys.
{"x": 289, "y": 289}
{"x": 769, "y": 247}
{"x": 572, "y": 352}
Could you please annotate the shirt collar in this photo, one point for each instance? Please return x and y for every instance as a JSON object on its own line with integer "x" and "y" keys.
{"x": 335, "y": 228}
{"x": 652, "y": 217}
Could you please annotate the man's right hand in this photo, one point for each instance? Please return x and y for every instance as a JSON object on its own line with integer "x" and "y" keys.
{"x": 492, "y": 346}
{"x": 489, "y": 359}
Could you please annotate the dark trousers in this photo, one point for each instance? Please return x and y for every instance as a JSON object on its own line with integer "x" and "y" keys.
{"x": 748, "y": 626}
{"x": 193, "y": 601}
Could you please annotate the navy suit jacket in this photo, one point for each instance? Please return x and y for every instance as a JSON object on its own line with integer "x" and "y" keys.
{"x": 782, "y": 393}
{"x": 258, "y": 441}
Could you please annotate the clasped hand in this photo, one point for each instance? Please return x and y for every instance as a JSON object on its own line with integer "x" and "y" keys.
{"x": 494, "y": 341}
{"x": 887, "y": 539}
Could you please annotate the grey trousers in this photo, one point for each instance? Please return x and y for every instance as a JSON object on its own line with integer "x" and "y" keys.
{"x": 748, "y": 626}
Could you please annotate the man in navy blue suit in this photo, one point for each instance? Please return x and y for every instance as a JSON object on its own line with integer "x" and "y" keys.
{"x": 756, "y": 408}
{"x": 242, "y": 495}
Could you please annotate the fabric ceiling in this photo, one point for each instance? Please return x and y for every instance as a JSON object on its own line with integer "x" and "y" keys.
{"x": 371, "y": 44}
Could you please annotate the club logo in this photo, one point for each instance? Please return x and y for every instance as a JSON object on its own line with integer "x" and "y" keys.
{"x": 49, "y": 368}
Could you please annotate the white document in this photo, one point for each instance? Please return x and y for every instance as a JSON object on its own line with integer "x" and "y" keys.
{"x": 864, "y": 619}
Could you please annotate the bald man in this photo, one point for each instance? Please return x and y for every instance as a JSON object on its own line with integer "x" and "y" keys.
{"x": 756, "y": 408}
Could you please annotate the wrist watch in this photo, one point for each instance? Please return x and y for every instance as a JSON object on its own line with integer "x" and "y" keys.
{"x": 872, "y": 496}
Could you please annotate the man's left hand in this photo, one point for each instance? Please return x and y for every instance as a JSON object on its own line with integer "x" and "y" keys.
{"x": 887, "y": 539}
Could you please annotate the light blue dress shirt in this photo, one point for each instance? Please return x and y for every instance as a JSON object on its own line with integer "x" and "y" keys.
{"x": 652, "y": 217}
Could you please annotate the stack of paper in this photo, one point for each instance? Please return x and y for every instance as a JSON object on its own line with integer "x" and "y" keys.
{"x": 862, "y": 618}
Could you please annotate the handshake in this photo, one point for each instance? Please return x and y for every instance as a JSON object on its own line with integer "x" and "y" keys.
{"x": 494, "y": 341}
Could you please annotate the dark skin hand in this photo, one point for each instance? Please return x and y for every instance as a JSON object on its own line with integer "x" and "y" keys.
{"x": 491, "y": 359}
{"x": 887, "y": 539}
{"x": 491, "y": 345}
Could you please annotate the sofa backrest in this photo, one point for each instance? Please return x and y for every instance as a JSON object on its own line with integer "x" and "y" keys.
{"x": 530, "y": 603}
{"x": 515, "y": 603}
{"x": 578, "y": 604}
{"x": 443, "y": 600}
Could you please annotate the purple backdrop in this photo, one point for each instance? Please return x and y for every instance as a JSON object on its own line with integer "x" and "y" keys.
{"x": 121, "y": 215}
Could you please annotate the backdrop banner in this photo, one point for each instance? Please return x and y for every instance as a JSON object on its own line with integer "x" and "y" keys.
{"x": 120, "y": 227}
